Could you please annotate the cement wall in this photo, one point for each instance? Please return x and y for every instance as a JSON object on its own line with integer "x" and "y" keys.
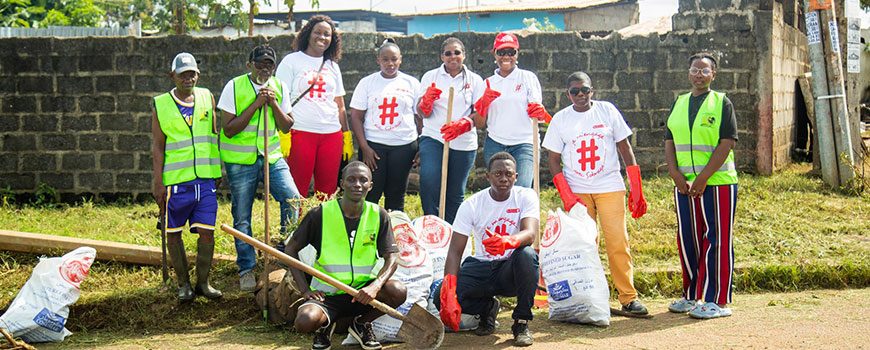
{"x": 604, "y": 18}
{"x": 790, "y": 60}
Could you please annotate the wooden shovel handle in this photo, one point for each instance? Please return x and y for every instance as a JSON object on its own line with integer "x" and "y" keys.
{"x": 264, "y": 118}
{"x": 265, "y": 248}
{"x": 445, "y": 157}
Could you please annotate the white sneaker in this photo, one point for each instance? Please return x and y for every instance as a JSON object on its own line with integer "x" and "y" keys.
{"x": 247, "y": 282}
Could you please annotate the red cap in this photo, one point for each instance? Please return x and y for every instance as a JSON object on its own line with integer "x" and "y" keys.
{"x": 505, "y": 40}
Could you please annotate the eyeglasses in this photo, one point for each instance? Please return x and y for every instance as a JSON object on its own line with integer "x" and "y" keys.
{"x": 506, "y": 52}
{"x": 577, "y": 90}
{"x": 452, "y": 53}
{"x": 264, "y": 65}
{"x": 705, "y": 72}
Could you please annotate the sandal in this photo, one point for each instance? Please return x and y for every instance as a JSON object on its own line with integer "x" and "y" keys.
{"x": 709, "y": 310}
{"x": 682, "y": 306}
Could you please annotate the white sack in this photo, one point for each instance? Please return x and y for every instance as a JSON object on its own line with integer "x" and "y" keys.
{"x": 40, "y": 310}
{"x": 576, "y": 285}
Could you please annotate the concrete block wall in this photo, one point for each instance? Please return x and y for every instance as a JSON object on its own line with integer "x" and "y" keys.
{"x": 75, "y": 113}
{"x": 790, "y": 56}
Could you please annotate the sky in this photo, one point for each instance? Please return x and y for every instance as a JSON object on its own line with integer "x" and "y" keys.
{"x": 648, "y": 8}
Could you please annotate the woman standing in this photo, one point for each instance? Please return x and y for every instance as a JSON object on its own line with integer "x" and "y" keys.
{"x": 701, "y": 133}
{"x": 586, "y": 141}
{"x": 432, "y": 106}
{"x": 512, "y": 96}
{"x": 382, "y": 118}
{"x": 313, "y": 75}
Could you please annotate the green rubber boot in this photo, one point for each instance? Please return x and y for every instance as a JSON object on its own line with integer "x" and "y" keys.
{"x": 179, "y": 264}
{"x": 204, "y": 257}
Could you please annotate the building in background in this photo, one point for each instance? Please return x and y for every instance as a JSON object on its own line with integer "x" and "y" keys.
{"x": 589, "y": 16}
{"x": 356, "y": 21}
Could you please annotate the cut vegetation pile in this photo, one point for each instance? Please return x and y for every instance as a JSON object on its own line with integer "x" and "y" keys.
{"x": 791, "y": 233}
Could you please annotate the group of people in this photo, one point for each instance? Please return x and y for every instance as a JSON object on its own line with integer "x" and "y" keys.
{"x": 400, "y": 122}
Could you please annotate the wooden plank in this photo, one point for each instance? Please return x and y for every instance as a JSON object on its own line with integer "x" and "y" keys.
{"x": 106, "y": 251}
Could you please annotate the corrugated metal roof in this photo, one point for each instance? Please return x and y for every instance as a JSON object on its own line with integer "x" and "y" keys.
{"x": 555, "y": 6}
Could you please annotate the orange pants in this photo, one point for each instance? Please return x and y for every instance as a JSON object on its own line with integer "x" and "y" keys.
{"x": 609, "y": 210}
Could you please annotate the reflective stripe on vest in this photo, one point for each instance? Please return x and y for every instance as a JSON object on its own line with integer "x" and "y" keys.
{"x": 695, "y": 145}
{"x": 350, "y": 263}
{"x": 244, "y": 147}
{"x": 191, "y": 151}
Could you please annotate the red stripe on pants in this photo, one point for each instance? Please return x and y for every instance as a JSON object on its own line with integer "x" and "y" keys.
{"x": 318, "y": 155}
{"x": 726, "y": 261}
{"x": 703, "y": 245}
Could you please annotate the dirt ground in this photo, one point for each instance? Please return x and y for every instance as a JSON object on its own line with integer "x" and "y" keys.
{"x": 830, "y": 319}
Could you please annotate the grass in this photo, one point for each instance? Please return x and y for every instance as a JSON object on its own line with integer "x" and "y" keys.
{"x": 791, "y": 233}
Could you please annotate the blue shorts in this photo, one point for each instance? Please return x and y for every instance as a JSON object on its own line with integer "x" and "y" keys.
{"x": 193, "y": 202}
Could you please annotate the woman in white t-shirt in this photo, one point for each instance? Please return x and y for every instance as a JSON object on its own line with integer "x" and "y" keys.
{"x": 382, "y": 118}
{"x": 585, "y": 141}
{"x": 512, "y": 97}
{"x": 432, "y": 107}
{"x": 316, "y": 87}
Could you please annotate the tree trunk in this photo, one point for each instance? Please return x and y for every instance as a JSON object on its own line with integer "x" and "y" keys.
{"x": 251, "y": 13}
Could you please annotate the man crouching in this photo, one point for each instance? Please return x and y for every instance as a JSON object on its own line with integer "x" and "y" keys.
{"x": 504, "y": 220}
{"x": 349, "y": 234}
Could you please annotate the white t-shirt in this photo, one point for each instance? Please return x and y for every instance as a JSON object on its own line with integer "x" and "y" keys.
{"x": 507, "y": 121}
{"x": 587, "y": 142}
{"x": 467, "y": 88}
{"x": 317, "y": 111}
{"x": 227, "y": 102}
{"x": 389, "y": 106}
{"x": 480, "y": 212}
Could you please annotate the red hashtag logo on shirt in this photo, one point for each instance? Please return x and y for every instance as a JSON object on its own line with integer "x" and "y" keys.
{"x": 587, "y": 155}
{"x": 316, "y": 86}
{"x": 392, "y": 114}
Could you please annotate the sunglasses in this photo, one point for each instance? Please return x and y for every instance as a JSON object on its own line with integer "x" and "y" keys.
{"x": 452, "y": 53}
{"x": 264, "y": 65}
{"x": 577, "y": 90}
{"x": 506, "y": 52}
{"x": 705, "y": 72}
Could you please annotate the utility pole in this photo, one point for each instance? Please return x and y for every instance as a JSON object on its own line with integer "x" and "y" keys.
{"x": 832, "y": 124}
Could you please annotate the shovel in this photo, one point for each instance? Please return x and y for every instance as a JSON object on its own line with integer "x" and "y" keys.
{"x": 420, "y": 329}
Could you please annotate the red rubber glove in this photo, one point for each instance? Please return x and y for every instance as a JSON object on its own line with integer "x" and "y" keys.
{"x": 496, "y": 244}
{"x": 482, "y": 104}
{"x": 427, "y": 102}
{"x": 450, "y": 309}
{"x": 636, "y": 202}
{"x": 569, "y": 199}
{"x": 455, "y": 128}
{"x": 537, "y": 111}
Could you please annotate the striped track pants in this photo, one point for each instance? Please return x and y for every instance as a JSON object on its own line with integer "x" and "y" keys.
{"x": 704, "y": 242}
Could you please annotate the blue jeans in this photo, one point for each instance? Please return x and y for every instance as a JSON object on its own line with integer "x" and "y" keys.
{"x": 458, "y": 167}
{"x": 523, "y": 153}
{"x": 243, "y": 180}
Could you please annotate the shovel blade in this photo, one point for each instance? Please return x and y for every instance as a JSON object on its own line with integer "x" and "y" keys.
{"x": 421, "y": 330}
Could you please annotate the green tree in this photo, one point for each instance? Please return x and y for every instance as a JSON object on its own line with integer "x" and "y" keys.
{"x": 44, "y": 13}
{"x": 81, "y": 13}
{"x": 532, "y": 23}
{"x": 15, "y": 13}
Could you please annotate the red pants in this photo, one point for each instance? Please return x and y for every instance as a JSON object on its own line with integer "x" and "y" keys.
{"x": 318, "y": 155}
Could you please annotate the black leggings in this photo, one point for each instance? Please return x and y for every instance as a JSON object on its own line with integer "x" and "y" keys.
{"x": 391, "y": 177}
